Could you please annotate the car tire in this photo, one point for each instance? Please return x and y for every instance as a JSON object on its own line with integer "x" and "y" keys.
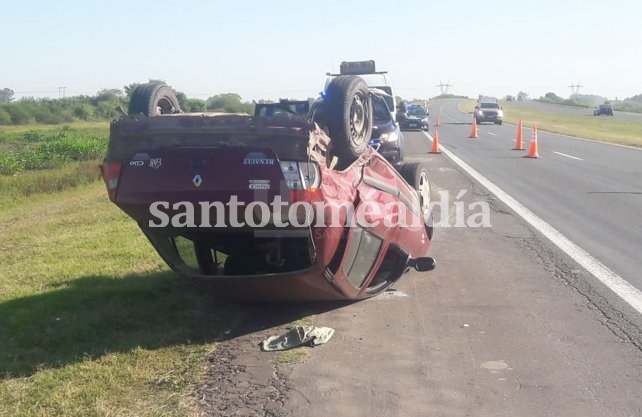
{"x": 402, "y": 151}
{"x": 153, "y": 99}
{"x": 499, "y": 123}
{"x": 416, "y": 175}
{"x": 348, "y": 117}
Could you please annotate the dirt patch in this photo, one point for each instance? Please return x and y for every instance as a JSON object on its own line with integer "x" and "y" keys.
{"x": 244, "y": 381}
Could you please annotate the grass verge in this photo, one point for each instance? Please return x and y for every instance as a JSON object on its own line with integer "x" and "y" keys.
{"x": 13, "y": 134}
{"x": 606, "y": 129}
{"x": 27, "y": 183}
{"x": 91, "y": 321}
{"x": 46, "y": 159}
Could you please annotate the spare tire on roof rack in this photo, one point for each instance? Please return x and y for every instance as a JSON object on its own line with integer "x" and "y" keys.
{"x": 347, "y": 115}
{"x": 153, "y": 99}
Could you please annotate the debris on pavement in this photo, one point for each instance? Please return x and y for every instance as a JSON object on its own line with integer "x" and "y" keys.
{"x": 298, "y": 336}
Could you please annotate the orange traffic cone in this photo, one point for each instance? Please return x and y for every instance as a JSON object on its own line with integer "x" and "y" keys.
{"x": 532, "y": 148}
{"x": 437, "y": 123}
{"x": 435, "y": 143}
{"x": 519, "y": 144}
{"x": 473, "y": 132}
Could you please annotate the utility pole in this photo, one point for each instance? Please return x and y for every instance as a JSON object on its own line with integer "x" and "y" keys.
{"x": 444, "y": 87}
{"x": 575, "y": 88}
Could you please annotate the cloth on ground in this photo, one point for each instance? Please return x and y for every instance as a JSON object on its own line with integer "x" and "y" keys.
{"x": 298, "y": 336}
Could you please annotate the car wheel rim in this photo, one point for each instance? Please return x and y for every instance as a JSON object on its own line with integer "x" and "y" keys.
{"x": 358, "y": 122}
{"x": 424, "y": 192}
{"x": 165, "y": 106}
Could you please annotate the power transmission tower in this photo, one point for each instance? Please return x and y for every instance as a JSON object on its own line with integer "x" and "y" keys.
{"x": 61, "y": 92}
{"x": 444, "y": 87}
{"x": 575, "y": 88}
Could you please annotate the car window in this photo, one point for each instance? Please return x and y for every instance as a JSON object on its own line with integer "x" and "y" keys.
{"x": 489, "y": 106}
{"x": 380, "y": 111}
{"x": 416, "y": 111}
{"x": 361, "y": 255}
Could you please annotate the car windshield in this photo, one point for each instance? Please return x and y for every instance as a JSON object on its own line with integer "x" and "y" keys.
{"x": 273, "y": 109}
{"x": 416, "y": 111}
{"x": 489, "y": 105}
{"x": 380, "y": 110}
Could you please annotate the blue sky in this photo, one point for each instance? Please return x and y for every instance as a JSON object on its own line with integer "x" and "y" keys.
{"x": 262, "y": 49}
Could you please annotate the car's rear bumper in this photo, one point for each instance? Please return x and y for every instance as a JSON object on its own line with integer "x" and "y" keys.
{"x": 414, "y": 125}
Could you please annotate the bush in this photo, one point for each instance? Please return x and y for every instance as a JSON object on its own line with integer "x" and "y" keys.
{"x": 9, "y": 164}
{"x": 34, "y": 182}
{"x": 84, "y": 111}
{"x": 19, "y": 114}
{"x": 41, "y": 159}
{"x": 45, "y": 152}
{"x": 46, "y": 116}
{"x": 194, "y": 105}
{"x": 74, "y": 148}
{"x": 5, "y": 118}
{"x": 33, "y": 136}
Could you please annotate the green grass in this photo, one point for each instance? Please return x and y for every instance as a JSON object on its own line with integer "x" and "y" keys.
{"x": 28, "y": 183}
{"x": 38, "y": 149}
{"x": 46, "y": 159}
{"x": 607, "y": 129}
{"x": 92, "y": 323}
{"x": 13, "y": 134}
{"x": 292, "y": 356}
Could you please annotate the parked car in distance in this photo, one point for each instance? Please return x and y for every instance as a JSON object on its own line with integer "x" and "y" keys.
{"x": 489, "y": 111}
{"x": 416, "y": 118}
{"x": 606, "y": 109}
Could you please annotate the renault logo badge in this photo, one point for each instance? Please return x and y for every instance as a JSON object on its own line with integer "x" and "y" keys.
{"x": 197, "y": 180}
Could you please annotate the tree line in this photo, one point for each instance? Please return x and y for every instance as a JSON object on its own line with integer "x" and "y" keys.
{"x": 106, "y": 104}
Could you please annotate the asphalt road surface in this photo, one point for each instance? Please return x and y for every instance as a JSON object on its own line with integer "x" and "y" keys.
{"x": 573, "y": 111}
{"x": 591, "y": 192}
{"x": 507, "y": 325}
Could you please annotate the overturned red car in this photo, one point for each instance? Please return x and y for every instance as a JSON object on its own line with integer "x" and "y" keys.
{"x": 289, "y": 206}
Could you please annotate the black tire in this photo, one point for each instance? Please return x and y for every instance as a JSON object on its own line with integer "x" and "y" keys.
{"x": 416, "y": 175}
{"x": 348, "y": 117}
{"x": 499, "y": 123}
{"x": 153, "y": 99}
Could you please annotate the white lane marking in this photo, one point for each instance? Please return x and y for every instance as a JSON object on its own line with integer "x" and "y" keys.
{"x": 613, "y": 281}
{"x": 568, "y": 156}
{"x": 491, "y": 133}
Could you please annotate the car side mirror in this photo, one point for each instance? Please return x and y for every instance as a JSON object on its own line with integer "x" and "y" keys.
{"x": 423, "y": 264}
